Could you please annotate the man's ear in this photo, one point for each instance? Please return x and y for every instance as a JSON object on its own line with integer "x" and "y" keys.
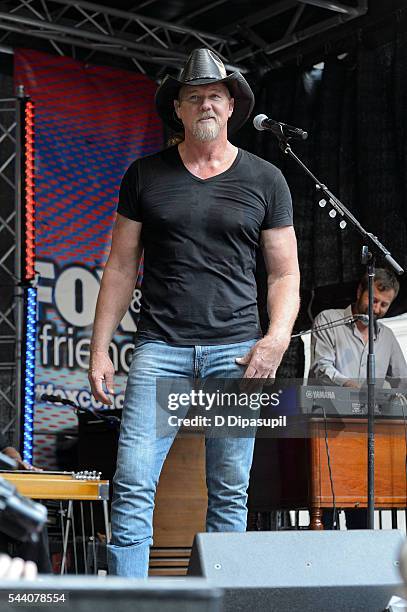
{"x": 231, "y": 106}
{"x": 176, "y": 107}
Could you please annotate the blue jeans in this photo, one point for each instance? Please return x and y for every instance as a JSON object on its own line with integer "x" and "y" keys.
{"x": 141, "y": 453}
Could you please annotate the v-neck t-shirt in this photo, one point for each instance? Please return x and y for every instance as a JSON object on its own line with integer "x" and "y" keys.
{"x": 200, "y": 238}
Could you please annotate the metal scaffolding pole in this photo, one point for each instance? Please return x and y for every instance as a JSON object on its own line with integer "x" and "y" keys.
{"x": 9, "y": 255}
{"x": 18, "y": 291}
{"x": 149, "y": 41}
{"x": 17, "y": 273}
{"x": 102, "y": 28}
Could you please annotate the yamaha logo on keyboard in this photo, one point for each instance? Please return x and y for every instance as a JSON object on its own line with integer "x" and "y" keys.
{"x": 319, "y": 394}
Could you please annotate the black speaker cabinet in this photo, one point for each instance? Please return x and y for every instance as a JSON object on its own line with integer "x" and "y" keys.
{"x": 98, "y": 439}
{"x": 104, "y": 594}
{"x": 301, "y": 571}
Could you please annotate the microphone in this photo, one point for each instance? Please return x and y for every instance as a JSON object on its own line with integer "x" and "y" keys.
{"x": 363, "y": 318}
{"x": 262, "y": 122}
{"x": 55, "y": 399}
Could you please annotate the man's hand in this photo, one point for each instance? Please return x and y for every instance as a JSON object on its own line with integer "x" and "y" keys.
{"x": 264, "y": 358}
{"x": 101, "y": 370}
{"x": 24, "y": 465}
{"x": 352, "y": 384}
{"x": 13, "y": 453}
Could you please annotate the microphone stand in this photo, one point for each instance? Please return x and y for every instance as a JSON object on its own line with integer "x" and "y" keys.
{"x": 113, "y": 421}
{"x": 369, "y": 260}
{"x": 372, "y": 248}
{"x": 325, "y": 326}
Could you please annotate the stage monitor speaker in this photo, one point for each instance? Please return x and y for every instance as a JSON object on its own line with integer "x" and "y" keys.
{"x": 301, "y": 571}
{"x": 104, "y": 594}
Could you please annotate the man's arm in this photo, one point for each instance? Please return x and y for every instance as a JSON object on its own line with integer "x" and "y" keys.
{"x": 116, "y": 289}
{"x": 279, "y": 247}
{"x": 323, "y": 355}
{"x": 13, "y": 453}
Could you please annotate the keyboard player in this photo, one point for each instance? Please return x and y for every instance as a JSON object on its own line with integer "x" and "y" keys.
{"x": 339, "y": 354}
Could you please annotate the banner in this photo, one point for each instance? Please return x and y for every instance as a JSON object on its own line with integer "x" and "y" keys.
{"x": 91, "y": 122}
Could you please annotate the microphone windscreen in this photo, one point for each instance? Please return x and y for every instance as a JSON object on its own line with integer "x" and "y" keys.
{"x": 257, "y": 122}
{"x": 364, "y": 318}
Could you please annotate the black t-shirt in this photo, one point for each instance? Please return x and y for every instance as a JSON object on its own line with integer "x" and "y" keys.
{"x": 200, "y": 238}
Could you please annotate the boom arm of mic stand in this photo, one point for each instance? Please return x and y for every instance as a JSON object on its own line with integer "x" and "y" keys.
{"x": 339, "y": 207}
{"x": 325, "y": 326}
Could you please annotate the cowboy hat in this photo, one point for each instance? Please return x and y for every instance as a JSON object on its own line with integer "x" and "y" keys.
{"x": 204, "y": 67}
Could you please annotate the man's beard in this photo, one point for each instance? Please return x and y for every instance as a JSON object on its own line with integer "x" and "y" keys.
{"x": 205, "y": 132}
{"x": 359, "y": 309}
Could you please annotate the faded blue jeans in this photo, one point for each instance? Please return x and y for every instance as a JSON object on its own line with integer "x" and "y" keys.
{"x": 141, "y": 453}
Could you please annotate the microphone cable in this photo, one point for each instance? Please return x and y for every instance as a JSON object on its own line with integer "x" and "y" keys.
{"x": 403, "y": 403}
{"x": 335, "y": 521}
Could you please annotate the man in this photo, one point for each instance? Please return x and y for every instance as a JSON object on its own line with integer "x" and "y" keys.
{"x": 34, "y": 553}
{"x": 13, "y": 453}
{"x": 339, "y": 354}
{"x": 199, "y": 210}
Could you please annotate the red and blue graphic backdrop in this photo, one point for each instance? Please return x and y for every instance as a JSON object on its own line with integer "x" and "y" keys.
{"x": 91, "y": 123}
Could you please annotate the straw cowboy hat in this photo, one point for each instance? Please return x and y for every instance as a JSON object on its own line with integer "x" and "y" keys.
{"x": 204, "y": 67}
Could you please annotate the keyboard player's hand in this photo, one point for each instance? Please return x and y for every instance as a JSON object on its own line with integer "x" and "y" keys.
{"x": 352, "y": 384}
